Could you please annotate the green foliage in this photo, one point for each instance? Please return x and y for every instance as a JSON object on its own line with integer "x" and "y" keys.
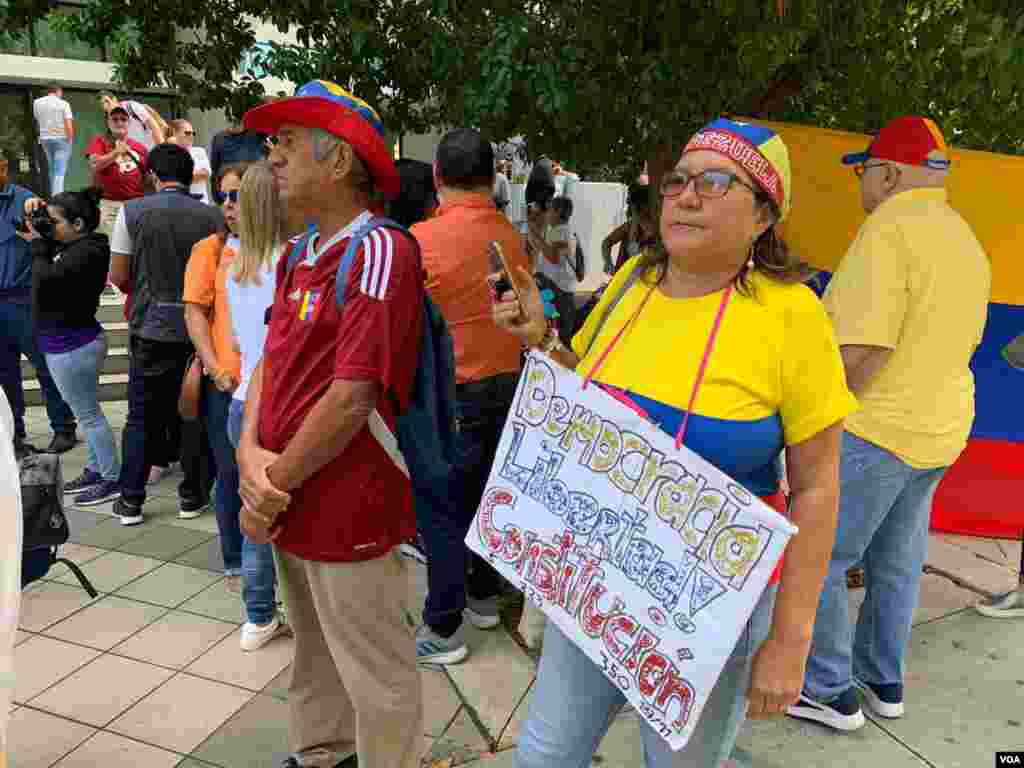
{"x": 597, "y": 83}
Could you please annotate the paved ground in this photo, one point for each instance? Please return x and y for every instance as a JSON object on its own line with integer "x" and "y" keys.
{"x": 149, "y": 674}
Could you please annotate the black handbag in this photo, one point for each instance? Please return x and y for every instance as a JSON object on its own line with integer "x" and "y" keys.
{"x": 42, "y": 501}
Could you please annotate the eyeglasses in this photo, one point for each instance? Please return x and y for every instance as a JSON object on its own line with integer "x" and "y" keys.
{"x": 861, "y": 168}
{"x": 709, "y": 184}
{"x": 228, "y": 197}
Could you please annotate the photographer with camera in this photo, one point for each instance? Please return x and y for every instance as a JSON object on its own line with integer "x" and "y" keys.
{"x": 70, "y": 261}
{"x": 16, "y": 336}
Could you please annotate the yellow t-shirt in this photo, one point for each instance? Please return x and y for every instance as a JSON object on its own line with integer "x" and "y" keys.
{"x": 916, "y": 281}
{"x": 774, "y": 378}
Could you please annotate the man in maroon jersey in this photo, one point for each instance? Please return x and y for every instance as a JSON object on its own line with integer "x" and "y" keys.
{"x": 321, "y": 474}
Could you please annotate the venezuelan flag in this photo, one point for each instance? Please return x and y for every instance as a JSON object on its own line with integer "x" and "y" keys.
{"x": 979, "y": 494}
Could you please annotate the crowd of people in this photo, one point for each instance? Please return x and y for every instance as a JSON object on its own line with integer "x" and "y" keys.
{"x": 275, "y": 340}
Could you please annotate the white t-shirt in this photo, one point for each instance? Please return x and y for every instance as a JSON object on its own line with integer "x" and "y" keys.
{"x": 202, "y": 162}
{"x": 248, "y": 305}
{"x": 50, "y": 112}
{"x": 138, "y": 123}
{"x": 562, "y": 273}
{"x": 10, "y": 564}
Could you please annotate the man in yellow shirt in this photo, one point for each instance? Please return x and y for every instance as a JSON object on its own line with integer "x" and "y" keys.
{"x": 909, "y": 302}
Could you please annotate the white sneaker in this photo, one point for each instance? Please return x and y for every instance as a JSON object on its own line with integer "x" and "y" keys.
{"x": 482, "y": 614}
{"x": 1008, "y": 606}
{"x": 254, "y": 637}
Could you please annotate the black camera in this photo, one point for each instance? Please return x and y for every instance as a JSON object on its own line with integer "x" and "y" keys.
{"x": 41, "y": 221}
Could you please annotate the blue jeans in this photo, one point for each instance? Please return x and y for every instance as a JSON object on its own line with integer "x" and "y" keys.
{"x": 259, "y": 579}
{"x": 884, "y": 511}
{"x": 444, "y": 521}
{"x": 574, "y": 704}
{"x": 77, "y": 375}
{"x": 17, "y": 338}
{"x": 227, "y": 502}
{"x": 58, "y": 152}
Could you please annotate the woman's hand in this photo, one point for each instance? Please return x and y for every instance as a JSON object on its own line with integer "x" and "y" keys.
{"x": 776, "y": 677}
{"x": 525, "y": 318}
{"x": 225, "y": 382}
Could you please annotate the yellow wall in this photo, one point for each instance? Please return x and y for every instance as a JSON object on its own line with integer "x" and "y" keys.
{"x": 987, "y": 189}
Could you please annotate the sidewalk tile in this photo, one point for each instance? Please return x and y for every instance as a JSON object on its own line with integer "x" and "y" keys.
{"x": 493, "y": 655}
{"x": 169, "y": 585}
{"x": 999, "y": 551}
{"x": 48, "y": 602}
{"x": 37, "y": 740}
{"x": 940, "y": 597}
{"x": 509, "y": 736}
{"x": 175, "y": 639}
{"x": 121, "y": 681}
{"x": 206, "y": 555}
{"x": 80, "y": 554}
{"x": 440, "y": 702}
{"x": 112, "y": 751}
{"x": 21, "y": 636}
{"x": 963, "y": 690}
{"x": 80, "y": 521}
{"x": 165, "y": 542}
{"x": 464, "y": 732}
{"x": 108, "y": 534}
{"x": 217, "y": 602}
{"x": 226, "y": 662}
{"x": 109, "y": 571}
{"x": 965, "y": 564}
{"x": 207, "y": 523}
{"x": 503, "y": 759}
{"x": 256, "y": 736}
{"x": 106, "y": 623}
{"x": 278, "y": 687}
{"x": 783, "y": 741}
{"x": 182, "y": 713}
{"x": 620, "y": 747}
{"x": 162, "y": 510}
{"x": 41, "y": 661}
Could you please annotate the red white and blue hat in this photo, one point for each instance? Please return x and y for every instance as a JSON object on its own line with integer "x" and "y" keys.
{"x": 328, "y": 106}
{"x": 911, "y": 140}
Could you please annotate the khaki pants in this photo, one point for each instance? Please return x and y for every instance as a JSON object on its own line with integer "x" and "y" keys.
{"x": 108, "y": 215}
{"x": 355, "y": 688}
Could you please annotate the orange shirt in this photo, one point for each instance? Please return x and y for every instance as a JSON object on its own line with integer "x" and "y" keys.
{"x": 205, "y": 285}
{"x": 455, "y": 257}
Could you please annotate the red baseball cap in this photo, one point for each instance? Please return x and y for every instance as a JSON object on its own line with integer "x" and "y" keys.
{"x": 909, "y": 140}
{"x": 326, "y": 105}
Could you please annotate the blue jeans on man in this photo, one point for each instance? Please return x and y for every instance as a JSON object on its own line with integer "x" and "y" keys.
{"x": 259, "y": 579}
{"x": 444, "y": 522}
{"x": 17, "y": 338}
{"x": 884, "y": 512}
{"x": 58, "y": 152}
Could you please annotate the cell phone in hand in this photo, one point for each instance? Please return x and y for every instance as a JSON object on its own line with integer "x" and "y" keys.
{"x": 500, "y": 277}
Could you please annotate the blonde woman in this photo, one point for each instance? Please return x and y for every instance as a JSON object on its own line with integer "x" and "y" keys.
{"x": 249, "y": 284}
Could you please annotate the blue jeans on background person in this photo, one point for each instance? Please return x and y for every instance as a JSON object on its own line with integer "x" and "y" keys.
{"x": 17, "y": 338}
{"x": 884, "y": 511}
{"x": 77, "y": 375}
{"x": 58, "y": 152}
{"x": 259, "y": 579}
{"x": 227, "y": 502}
{"x": 574, "y": 705}
{"x": 443, "y": 522}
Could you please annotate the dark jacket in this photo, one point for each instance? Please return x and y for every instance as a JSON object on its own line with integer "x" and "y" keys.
{"x": 15, "y": 262}
{"x": 67, "y": 281}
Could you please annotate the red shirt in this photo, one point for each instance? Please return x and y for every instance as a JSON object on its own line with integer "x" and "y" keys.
{"x": 360, "y": 505}
{"x": 121, "y": 180}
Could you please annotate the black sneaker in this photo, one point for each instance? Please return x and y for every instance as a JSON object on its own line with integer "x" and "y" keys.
{"x": 842, "y": 713}
{"x": 83, "y": 482}
{"x": 62, "y": 442}
{"x": 885, "y": 700}
{"x": 101, "y": 493}
{"x": 130, "y": 514}
{"x": 190, "y": 509}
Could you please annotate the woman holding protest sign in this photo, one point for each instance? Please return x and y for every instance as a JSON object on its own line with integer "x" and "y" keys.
{"x": 712, "y": 336}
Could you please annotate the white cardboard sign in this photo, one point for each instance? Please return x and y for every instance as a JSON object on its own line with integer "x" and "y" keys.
{"x": 650, "y": 559}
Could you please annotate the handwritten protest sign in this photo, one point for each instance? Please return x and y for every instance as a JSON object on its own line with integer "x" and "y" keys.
{"x": 649, "y": 559}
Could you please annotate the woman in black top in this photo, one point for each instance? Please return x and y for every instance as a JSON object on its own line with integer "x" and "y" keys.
{"x": 70, "y": 262}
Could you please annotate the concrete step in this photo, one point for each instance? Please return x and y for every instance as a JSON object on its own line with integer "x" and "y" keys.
{"x": 116, "y": 362}
{"x": 113, "y": 386}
